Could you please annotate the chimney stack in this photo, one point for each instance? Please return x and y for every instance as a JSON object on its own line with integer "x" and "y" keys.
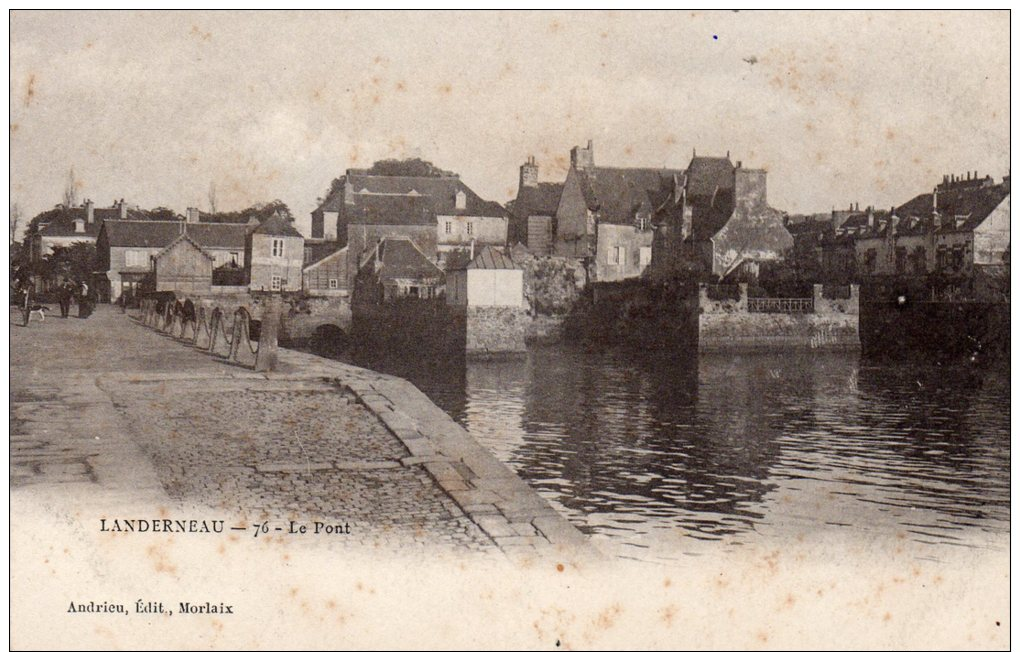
{"x": 90, "y": 213}
{"x": 581, "y": 158}
{"x": 529, "y": 173}
{"x": 122, "y": 205}
{"x": 192, "y": 215}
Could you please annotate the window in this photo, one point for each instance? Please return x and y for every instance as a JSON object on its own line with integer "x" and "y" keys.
{"x": 413, "y": 290}
{"x": 134, "y": 258}
{"x": 901, "y": 260}
{"x": 870, "y": 260}
{"x": 618, "y": 256}
{"x": 461, "y": 200}
{"x": 233, "y": 258}
{"x": 645, "y": 256}
{"x": 277, "y": 282}
{"x": 470, "y": 228}
{"x": 277, "y": 247}
{"x": 449, "y": 226}
{"x": 332, "y": 284}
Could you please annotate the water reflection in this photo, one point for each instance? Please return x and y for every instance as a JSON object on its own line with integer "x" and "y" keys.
{"x": 730, "y": 447}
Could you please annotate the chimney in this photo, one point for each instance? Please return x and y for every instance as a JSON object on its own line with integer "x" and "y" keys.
{"x": 79, "y": 225}
{"x": 935, "y": 199}
{"x": 529, "y": 173}
{"x": 871, "y": 220}
{"x": 583, "y": 158}
{"x": 749, "y": 190}
{"x": 122, "y": 205}
{"x": 90, "y": 213}
{"x": 192, "y": 215}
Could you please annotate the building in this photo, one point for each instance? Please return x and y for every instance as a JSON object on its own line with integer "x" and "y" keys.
{"x": 604, "y": 215}
{"x": 63, "y": 226}
{"x": 373, "y": 218}
{"x": 125, "y": 250}
{"x": 274, "y": 255}
{"x": 325, "y": 271}
{"x": 717, "y": 222}
{"x": 184, "y": 266}
{"x": 490, "y": 279}
{"x": 459, "y": 217}
{"x": 396, "y": 269}
{"x": 533, "y": 211}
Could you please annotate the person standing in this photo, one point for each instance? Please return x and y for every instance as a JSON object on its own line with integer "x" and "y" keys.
{"x": 65, "y": 294}
{"x": 83, "y": 300}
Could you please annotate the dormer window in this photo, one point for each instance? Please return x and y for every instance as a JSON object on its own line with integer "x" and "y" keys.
{"x": 79, "y": 226}
{"x": 461, "y": 200}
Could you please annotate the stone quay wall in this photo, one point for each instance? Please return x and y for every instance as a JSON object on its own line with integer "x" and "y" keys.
{"x": 753, "y": 323}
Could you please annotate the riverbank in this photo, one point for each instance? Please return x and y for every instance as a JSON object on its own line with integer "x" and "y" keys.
{"x": 107, "y": 412}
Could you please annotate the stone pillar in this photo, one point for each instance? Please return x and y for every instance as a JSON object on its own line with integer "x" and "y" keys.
{"x": 267, "y": 355}
{"x": 742, "y": 301}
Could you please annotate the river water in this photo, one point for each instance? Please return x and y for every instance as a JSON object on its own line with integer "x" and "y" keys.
{"x": 660, "y": 457}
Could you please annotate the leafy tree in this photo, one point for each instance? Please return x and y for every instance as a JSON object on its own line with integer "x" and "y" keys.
{"x": 75, "y": 262}
{"x": 411, "y": 167}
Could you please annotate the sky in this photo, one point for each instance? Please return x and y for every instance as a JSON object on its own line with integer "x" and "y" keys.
{"x": 153, "y": 107}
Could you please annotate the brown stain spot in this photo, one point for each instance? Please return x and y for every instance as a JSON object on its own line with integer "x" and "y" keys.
{"x": 667, "y": 614}
{"x": 887, "y": 617}
{"x": 14, "y": 128}
{"x": 628, "y": 150}
{"x": 666, "y": 583}
{"x": 555, "y": 26}
{"x": 890, "y": 134}
{"x": 159, "y": 560}
{"x": 400, "y": 86}
{"x": 607, "y": 617}
{"x": 670, "y": 139}
{"x": 331, "y": 604}
{"x": 603, "y": 34}
{"x": 762, "y": 637}
{"x": 293, "y": 592}
{"x": 30, "y": 89}
{"x": 445, "y": 89}
{"x": 559, "y": 568}
{"x": 196, "y": 32}
{"x": 789, "y": 601}
{"x": 222, "y": 549}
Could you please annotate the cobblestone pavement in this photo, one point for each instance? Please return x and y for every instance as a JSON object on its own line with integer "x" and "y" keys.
{"x": 106, "y": 408}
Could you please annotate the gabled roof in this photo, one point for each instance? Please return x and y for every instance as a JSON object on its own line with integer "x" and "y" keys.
{"x": 542, "y": 199}
{"x": 441, "y": 190}
{"x": 184, "y": 239}
{"x": 218, "y": 236}
{"x": 392, "y": 210}
{"x": 65, "y": 229}
{"x": 278, "y": 226}
{"x": 400, "y": 258}
{"x": 333, "y": 203}
{"x": 621, "y": 194}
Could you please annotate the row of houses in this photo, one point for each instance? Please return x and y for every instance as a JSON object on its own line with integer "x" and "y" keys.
{"x": 958, "y": 230}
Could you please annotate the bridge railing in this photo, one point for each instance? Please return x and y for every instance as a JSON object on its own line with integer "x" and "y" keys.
{"x": 239, "y": 337}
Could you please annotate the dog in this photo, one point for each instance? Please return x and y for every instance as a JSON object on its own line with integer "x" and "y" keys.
{"x": 36, "y": 309}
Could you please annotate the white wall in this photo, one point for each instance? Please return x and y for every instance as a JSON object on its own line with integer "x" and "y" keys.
{"x": 495, "y": 287}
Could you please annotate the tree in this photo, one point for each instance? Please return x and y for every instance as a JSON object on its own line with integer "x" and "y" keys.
{"x": 75, "y": 262}
{"x": 70, "y": 189}
{"x": 411, "y": 167}
{"x": 15, "y": 221}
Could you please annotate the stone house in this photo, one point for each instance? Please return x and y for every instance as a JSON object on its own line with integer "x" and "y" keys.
{"x": 460, "y": 216}
{"x": 716, "y": 221}
{"x": 274, "y": 256}
{"x": 183, "y": 266}
{"x": 125, "y": 249}
{"x": 959, "y": 229}
{"x": 373, "y": 218}
{"x": 604, "y": 215}
{"x": 533, "y": 211}
{"x": 395, "y": 269}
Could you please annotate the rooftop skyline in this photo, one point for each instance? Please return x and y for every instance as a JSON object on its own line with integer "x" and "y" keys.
{"x": 872, "y": 107}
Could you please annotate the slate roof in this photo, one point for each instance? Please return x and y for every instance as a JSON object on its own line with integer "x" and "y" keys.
{"x": 492, "y": 258}
{"x": 622, "y": 194}
{"x": 441, "y": 190}
{"x": 319, "y": 255}
{"x": 973, "y": 204}
{"x": 317, "y": 251}
{"x": 148, "y": 234}
{"x": 542, "y": 199}
{"x": 400, "y": 258}
{"x": 706, "y": 175}
{"x": 277, "y": 225}
{"x": 392, "y": 210}
{"x": 62, "y": 229}
{"x": 60, "y": 221}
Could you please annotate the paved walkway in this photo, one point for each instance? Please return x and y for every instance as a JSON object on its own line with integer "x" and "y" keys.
{"x": 107, "y": 412}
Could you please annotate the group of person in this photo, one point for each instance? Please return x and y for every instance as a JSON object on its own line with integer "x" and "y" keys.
{"x": 80, "y": 292}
